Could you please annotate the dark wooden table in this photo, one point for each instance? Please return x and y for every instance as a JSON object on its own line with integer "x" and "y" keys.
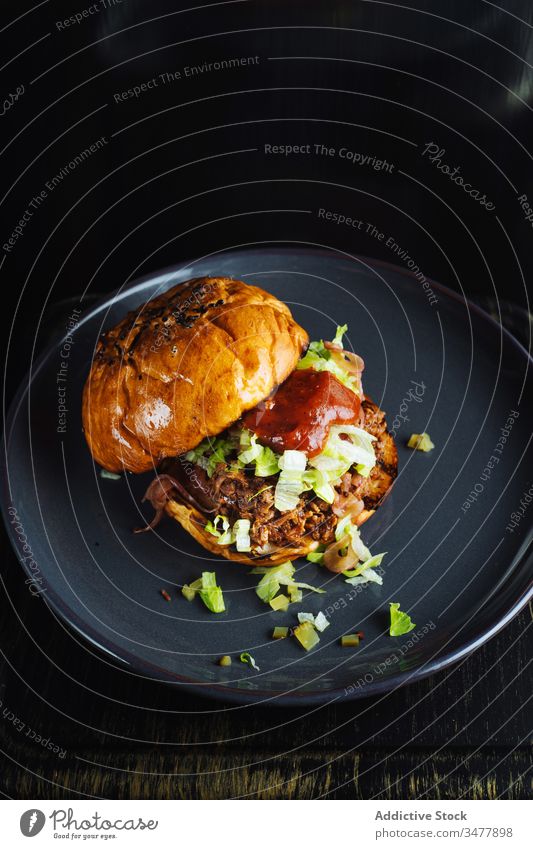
{"x": 462, "y": 733}
{"x": 71, "y": 724}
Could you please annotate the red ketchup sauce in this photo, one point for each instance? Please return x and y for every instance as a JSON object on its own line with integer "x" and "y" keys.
{"x": 299, "y": 414}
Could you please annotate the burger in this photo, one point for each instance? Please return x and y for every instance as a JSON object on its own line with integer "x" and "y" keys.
{"x": 263, "y": 445}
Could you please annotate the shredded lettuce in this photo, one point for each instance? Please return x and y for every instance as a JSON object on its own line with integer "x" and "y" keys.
{"x": 295, "y": 479}
{"x": 341, "y": 330}
{"x": 365, "y": 572}
{"x": 348, "y": 533}
{"x": 306, "y": 617}
{"x": 302, "y": 586}
{"x": 317, "y": 556}
{"x": 291, "y": 481}
{"x": 367, "y": 577}
{"x": 266, "y": 462}
{"x": 289, "y": 487}
{"x": 293, "y": 461}
{"x": 340, "y": 454}
{"x": 241, "y": 529}
{"x": 206, "y": 587}
{"x": 271, "y": 582}
{"x": 371, "y": 563}
{"x": 197, "y": 453}
{"x": 251, "y": 447}
{"x": 400, "y": 622}
{"x": 221, "y": 447}
{"x": 319, "y": 621}
{"x": 295, "y": 594}
{"x": 275, "y": 577}
{"x": 318, "y": 481}
{"x": 319, "y": 358}
{"x": 212, "y": 451}
{"x": 189, "y": 590}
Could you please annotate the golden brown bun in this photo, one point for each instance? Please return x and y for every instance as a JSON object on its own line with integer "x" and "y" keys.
{"x": 378, "y": 485}
{"x": 185, "y": 366}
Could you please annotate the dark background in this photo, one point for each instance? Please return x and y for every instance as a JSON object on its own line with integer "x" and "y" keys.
{"x": 183, "y": 173}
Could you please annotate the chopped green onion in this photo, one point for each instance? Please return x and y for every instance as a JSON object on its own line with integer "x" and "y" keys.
{"x": 246, "y": 657}
{"x": 259, "y": 491}
{"x": 109, "y": 475}
{"x": 400, "y": 622}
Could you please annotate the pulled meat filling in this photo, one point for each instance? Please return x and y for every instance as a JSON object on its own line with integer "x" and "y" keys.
{"x": 242, "y": 495}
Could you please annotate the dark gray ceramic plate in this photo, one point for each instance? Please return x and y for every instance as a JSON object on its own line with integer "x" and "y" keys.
{"x": 457, "y": 560}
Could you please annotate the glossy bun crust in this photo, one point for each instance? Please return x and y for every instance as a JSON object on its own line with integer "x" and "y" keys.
{"x": 184, "y": 366}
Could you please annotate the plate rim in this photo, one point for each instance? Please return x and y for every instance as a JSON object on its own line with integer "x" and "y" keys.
{"x": 131, "y": 662}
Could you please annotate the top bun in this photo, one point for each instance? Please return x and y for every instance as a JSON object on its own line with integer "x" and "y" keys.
{"x": 184, "y": 366}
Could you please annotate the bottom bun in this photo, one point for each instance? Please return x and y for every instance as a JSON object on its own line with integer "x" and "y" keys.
{"x": 194, "y": 523}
